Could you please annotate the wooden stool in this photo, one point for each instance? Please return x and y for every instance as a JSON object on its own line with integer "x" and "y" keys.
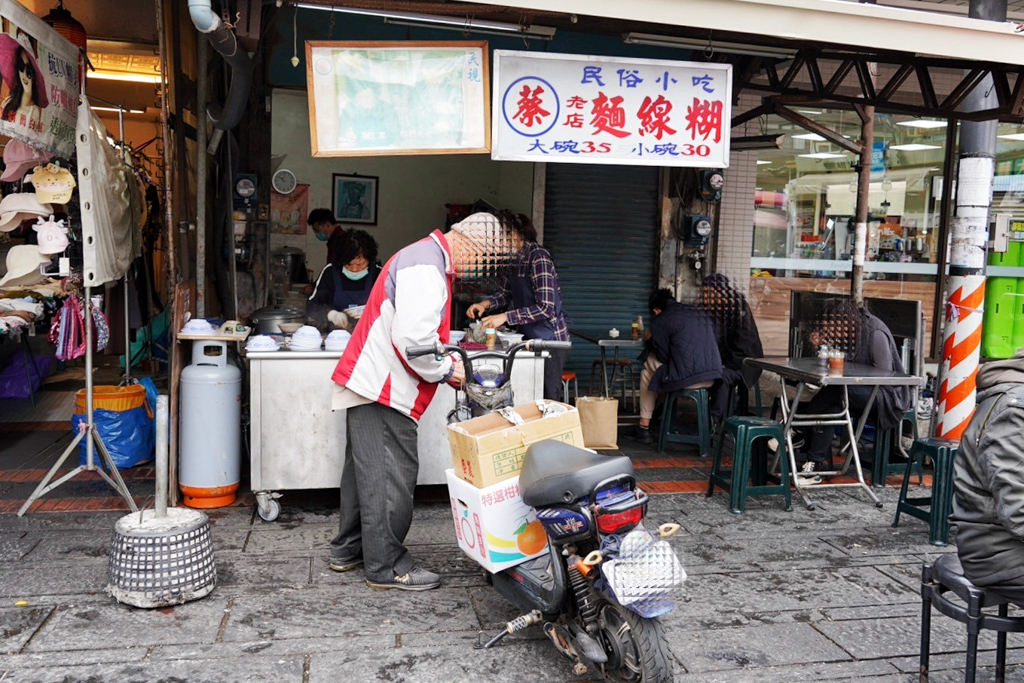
{"x": 939, "y": 501}
{"x": 745, "y": 431}
{"x": 947, "y": 575}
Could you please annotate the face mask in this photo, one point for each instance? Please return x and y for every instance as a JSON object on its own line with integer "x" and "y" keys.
{"x": 323, "y": 237}
{"x": 355, "y": 276}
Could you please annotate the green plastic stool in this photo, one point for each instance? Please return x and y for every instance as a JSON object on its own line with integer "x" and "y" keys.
{"x": 881, "y": 468}
{"x": 745, "y": 431}
{"x": 939, "y": 501}
{"x": 703, "y": 436}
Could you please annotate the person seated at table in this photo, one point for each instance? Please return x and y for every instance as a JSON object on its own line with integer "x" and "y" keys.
{"x": 737, "y": 337}
{"x": 866, "y": 340}
{"x": 988, "y": 482}
{"x": 681, "y": 353}
{"x": 346, "y": 282}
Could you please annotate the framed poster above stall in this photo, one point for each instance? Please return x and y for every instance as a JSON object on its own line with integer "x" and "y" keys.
{"x": 610, "y": 110}
{"x": 373, "y": 98}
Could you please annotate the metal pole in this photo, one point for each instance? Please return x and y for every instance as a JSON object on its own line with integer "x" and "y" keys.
{"x": 867, "y": 138}
{"x": 965, "y": 303}
{"x": 127, "y": 330}
{"x": 201, "y": 162}
{"x": 163, "y": 410}
{"x": 90, "y": 452}
{"x": 168, "y": 163}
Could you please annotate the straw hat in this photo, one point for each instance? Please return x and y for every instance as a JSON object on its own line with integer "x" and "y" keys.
{"x": 19, "y": 158}
{"x": 8, "y": 67}
{"x": 23, "y": 263}
{"x": 15, "y": 208}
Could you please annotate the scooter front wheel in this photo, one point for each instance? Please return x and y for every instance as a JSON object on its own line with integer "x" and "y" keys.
{"x": 636, "y": 647}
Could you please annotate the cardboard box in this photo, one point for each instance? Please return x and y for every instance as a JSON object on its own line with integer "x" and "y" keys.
{"x": 489, "y": 449}
{"x": 493, "y": 525}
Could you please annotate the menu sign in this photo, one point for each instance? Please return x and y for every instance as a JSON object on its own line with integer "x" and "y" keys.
{"x": 40, "y": 85}
{"x": 610, "y": 110}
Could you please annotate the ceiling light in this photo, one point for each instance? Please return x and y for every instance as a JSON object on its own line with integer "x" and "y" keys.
{"x": 1012, "y": 136}
{"x": 923, "y": 123}
{"x": 115, "y": 110}
{"x": 809, "y": 112}
{"x": 702, "y": 44}
{"x": 913, "y": 147}
{"x": 771, "y": 141}
{"x": 822, "y": 155}
{"x": 125, "y": 76}
{"x": 762, "y": 163}
{"x": 440, "y": 21}
{"x": 809, "y": 136}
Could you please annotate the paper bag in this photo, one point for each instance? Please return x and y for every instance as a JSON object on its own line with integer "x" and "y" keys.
{"x": 599, "y": 418}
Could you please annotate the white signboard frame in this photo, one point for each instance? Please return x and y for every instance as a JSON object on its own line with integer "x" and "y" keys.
{"x": 563, "y": 108}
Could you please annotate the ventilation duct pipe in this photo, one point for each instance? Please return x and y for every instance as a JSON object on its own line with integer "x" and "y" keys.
{"x": 226, "y": 43}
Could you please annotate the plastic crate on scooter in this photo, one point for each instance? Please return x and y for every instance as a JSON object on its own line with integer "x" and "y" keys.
{"x": 493, "y": 525}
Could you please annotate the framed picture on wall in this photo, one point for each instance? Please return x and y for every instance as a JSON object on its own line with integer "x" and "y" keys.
{"x": 354, "y": 199}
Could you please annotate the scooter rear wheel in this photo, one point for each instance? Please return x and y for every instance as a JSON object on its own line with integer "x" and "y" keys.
{"x": 636, "y": 647}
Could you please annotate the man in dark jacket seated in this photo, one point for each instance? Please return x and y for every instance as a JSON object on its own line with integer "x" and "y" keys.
{"x": 864, "y": 339}
{"x": 988, "y": 482}
{"x": 682, "y": 353}
{"x": 737, "y": 337}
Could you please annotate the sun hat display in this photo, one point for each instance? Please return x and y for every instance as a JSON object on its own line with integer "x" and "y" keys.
{"x": 20, "y": 158}
{"x": 337, "y": 340}
{"x": 8, "y": 67}
{"x": 53, "y": 183}
{"x": 23, "y": 263}
{"x": 261, "y": 343}
{"x": 51, "y": 235}
{"x": 15, "y": 208}
{"x": 198, "y": 326}
{"x": 306, "y": 338}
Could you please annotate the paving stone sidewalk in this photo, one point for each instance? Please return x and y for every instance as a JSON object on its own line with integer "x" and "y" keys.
{"x": 823, "y": 595}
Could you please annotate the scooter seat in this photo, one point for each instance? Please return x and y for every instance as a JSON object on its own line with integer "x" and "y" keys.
{"x": 556, "y": 473}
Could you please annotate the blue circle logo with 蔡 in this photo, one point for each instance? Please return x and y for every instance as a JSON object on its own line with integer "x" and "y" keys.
{"x": 530, "y": 106}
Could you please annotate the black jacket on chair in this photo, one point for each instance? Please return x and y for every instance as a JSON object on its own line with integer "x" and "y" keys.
{"x": 683, "y": 339}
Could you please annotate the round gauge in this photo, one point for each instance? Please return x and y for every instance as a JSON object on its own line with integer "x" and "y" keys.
{"x": 716, "y": 181}
{"x": 283, "y": 181}
{"x": 245, "y": 187}
{"x": 703, "y": 227}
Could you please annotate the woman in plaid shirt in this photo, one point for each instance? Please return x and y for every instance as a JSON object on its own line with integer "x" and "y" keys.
{"x": 533, "y": 297}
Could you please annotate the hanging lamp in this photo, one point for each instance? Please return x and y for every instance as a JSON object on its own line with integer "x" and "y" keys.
{"x": 66, "y": 25}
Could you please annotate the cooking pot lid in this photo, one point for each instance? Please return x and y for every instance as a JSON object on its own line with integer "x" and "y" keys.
{"x": 278, "y": 312}
{"x": 288, "y": 251}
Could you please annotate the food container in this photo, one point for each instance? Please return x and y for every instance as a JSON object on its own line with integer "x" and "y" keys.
{"x": 268, "y": 320}
{"x": 491, "y": 338}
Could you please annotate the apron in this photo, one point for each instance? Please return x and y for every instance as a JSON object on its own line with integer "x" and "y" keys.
{"x": 521, "y": 290}
{"x": 347, "y": 298}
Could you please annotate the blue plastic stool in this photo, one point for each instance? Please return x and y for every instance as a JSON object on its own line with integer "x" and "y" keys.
{"x": 745, "y": 431}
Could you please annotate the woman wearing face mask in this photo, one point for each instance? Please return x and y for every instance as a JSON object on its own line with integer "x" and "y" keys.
{"x": 533, "y": 298}
{"x": 346, "y": 282}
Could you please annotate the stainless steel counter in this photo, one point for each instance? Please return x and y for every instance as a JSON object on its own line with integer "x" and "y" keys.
{"x": 298, "y": 442}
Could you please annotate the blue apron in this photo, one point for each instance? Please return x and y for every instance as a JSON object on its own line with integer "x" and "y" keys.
{"x": 521, "y": 290}
{"x": 347, "y": 298}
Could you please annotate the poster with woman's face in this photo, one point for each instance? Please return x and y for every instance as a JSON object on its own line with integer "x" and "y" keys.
{"x": 39, "y": 84}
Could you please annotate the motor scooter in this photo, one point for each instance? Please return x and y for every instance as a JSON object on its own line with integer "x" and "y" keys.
{"x": 599, "y": 591}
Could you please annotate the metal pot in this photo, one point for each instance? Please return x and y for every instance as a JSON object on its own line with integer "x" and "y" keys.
{"x": 294, "y": 262}
{"x": 267, "y": 320}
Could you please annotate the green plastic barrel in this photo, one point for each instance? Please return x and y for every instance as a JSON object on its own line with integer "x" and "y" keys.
{"x": 997, "y": 332}
{"x": 1018, "y": 317}
{"x": 1011, "y": 257}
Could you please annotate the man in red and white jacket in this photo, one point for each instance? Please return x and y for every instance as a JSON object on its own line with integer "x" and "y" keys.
{"x": 385, "y": 393}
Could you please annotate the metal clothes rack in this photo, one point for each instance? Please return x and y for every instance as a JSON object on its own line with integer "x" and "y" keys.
{"x": 92, "y": 437}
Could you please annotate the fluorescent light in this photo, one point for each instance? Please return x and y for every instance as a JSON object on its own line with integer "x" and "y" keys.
{"x": 809, "y": 136}
{"x": 822, "y": 155}
{"x": 115, "y": 110}
{"x": 772, "y": 141}
{"x": 441, "y": 21}
{"x": 701, "y": 44}
{"x": 125, "y": 76}
{"x": 913, "y": 147}
{"x": 1012, "y": 136}
{"x": 809, "y": 112}
{"x": 922, "y": 123}
{"x": 762, "y": 163}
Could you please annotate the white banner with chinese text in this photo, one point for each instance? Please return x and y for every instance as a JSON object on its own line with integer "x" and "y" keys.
{"x": 39, "y": 70}
{"x": 610, "y": 110}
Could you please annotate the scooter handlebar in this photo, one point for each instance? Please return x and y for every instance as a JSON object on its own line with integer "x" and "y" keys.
{"x": 548, "y": 345}
{"x": 425, "y": 350}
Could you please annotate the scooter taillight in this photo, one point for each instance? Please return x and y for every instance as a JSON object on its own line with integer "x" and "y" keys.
{"x": 617, "y": 522}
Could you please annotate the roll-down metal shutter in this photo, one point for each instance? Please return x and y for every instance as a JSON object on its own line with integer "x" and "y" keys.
{"x": 601, "y": 227}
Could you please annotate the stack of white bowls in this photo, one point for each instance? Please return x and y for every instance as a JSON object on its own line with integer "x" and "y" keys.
{"x": 261, "y": 343}
{"x": 306, "y": 338}
{"x": 197, "y": 326}
{"x": 337, "y": 340}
